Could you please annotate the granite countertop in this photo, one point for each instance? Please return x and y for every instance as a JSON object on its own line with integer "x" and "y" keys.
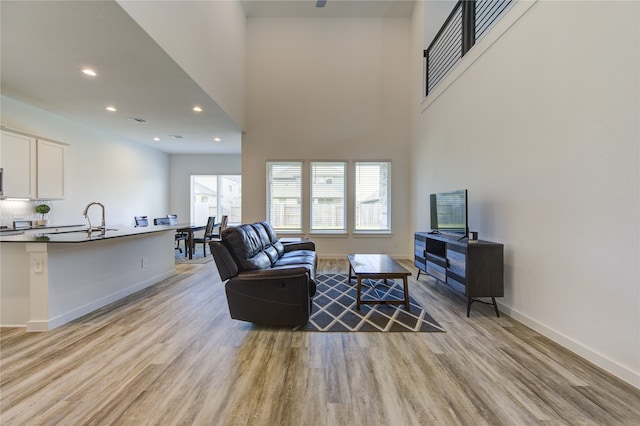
{"x": 82, "y": 236}
{"x": 5, "y": 230}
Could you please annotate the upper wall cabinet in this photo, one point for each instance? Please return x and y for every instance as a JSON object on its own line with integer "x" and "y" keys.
{"x": 32, "y": 168}
{"x": 50, "y": 173}
{"x": 18, "y": 161}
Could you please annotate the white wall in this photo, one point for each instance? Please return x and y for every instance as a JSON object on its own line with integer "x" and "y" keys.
{"x": 329, "y": 89}
{"x": 128, "y": 178}
{"x": 543, "y": 129}
{"x": 207, "y": 39}
{"x": 183, "y": 166}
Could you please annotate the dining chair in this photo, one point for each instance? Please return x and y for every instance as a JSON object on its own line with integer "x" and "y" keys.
{"x": 142, "y": 221}
{"x": 161, "y": 221}
{"x": 222, "y": 227}
{"x": 173, "y": 219}
{"x": 206, "y": 237}
{"x": 180, "y": 236}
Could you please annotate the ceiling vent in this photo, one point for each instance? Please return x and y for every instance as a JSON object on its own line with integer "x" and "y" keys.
{"x": 176, "y": 136}
{"x": 137, "y": 119}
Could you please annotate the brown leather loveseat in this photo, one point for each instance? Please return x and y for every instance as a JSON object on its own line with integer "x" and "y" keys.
{"x": 268, "y": 282}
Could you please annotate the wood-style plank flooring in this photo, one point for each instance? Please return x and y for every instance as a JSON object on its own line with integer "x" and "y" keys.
{"x": 170, "y": 355}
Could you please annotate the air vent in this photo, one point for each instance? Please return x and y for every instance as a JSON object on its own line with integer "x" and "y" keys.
{"x": 137, "y": 119}
{"x": 176, "y": 136}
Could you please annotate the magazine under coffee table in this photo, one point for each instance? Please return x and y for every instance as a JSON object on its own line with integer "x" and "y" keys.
{"x": 377, "y": 267}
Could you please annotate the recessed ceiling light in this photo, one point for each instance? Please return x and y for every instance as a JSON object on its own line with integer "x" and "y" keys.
{"x": 197, "y": 109}
{"x": 89, "y": 71}
{"x": 217, "y": 139}
{"x": 112, "y": 109}
{"x": 156, "y": 139}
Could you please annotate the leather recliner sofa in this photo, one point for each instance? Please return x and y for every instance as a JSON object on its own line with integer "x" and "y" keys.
{"x": 269, "y": 282}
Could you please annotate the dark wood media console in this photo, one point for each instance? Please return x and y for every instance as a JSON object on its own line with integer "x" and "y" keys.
{"x": 475, "y": 268}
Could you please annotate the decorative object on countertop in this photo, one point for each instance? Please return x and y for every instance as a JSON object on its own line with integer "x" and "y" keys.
{"x": 42, "y": 209}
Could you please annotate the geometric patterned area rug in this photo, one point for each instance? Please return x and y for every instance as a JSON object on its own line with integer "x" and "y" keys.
{"x": 334, "y": 308}
{"x": 198, "y": 256}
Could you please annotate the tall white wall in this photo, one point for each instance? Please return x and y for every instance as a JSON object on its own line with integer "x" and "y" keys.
{"x": 207, "y": 39}
{"x": 182, "y": 167}
{"x": 128, "y": 178}
{"x": 329, "y": 89}
{"x": 542, "y": 127}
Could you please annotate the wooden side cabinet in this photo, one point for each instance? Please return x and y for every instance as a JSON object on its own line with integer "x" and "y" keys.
{"x": 475, "y": 268}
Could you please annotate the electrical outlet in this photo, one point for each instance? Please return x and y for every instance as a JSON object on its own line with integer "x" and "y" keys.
{"x": 144, "y": 262}
{"x": 37, "y": 266}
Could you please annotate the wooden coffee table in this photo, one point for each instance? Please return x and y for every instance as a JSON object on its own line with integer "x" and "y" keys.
{"x": 377, "y": 266}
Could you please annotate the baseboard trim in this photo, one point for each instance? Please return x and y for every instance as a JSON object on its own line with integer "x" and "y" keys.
{"x": 51, "y": 323}
{"x": 620, "y": 371}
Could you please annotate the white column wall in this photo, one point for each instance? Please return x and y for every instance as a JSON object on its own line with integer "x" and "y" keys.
{"x": 543, "y": 129}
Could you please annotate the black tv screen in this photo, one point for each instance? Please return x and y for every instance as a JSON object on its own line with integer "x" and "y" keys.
{"x": 449, "y": 212}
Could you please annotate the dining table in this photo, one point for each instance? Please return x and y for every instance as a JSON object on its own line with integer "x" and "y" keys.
{"x": 190, "y": 229}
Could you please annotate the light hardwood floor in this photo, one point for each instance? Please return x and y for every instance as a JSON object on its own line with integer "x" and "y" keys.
{"x": 171, "y": 355}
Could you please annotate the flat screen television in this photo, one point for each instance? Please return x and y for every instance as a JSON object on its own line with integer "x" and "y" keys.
{"x": 449, "y": 212}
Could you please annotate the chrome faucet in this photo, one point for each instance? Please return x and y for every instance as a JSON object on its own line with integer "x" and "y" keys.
{"x": 103, "y": 227}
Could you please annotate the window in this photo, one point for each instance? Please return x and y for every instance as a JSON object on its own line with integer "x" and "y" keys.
{"x": 328, "y": 196}
{"x": 325, "y": 198}
{"x": 216, "y": 195}
{"x": 372, "y": 212}
{"x": 284, "y": 195}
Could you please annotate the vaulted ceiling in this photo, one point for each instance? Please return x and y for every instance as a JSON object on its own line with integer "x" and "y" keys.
{"x": 45, "y": 45}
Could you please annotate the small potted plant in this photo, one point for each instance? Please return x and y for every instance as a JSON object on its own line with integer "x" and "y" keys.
{"x": 42, "y": 209}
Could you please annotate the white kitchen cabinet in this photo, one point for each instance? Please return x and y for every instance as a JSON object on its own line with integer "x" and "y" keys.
{"x": 50, "y": 172}
{"x": 18, "y": 161}
{"x": 32, "y": 167}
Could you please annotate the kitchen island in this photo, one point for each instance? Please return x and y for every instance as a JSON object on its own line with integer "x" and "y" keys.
{"x": 49, "y": 279}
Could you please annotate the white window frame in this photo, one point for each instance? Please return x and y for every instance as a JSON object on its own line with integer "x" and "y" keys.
{"x": 358, "y": 227}
{"x": 315, "y": 190}
{"x": 277, "y": 223}
{"x": 219, "y": 196}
